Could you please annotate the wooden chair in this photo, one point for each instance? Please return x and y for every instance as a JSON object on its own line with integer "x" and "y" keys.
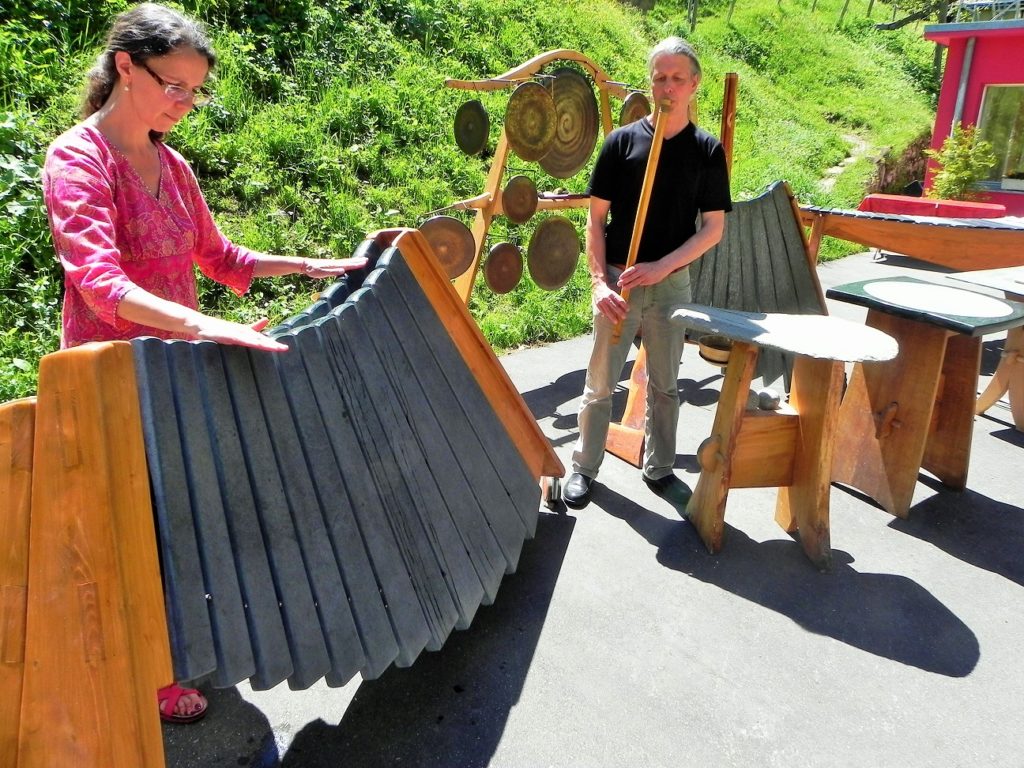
{"x": 762, "y": 264}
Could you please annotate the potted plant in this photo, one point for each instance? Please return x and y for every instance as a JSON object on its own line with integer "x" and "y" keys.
{"x": 964, "y": 159}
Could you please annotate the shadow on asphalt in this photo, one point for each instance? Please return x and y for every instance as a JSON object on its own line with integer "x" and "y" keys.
{"x": 546, "y": 402}
{"x": 450, "y": 707}
{"x": 203, "y": 743}
{"x": 884, "y": 614}
{"x": 975, "y": 529}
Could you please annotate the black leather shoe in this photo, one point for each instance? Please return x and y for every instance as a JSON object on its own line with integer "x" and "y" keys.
{"x": 672, "y": 489}
{"x": 576, "y": 493}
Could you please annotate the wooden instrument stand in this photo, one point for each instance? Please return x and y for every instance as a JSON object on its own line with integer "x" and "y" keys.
{"x": 790, "y": 448}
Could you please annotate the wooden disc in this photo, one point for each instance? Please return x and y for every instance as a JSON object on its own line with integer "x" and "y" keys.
{"x": 503, "y": 268}
{"x": 471, "y": 127}
{"x": 576, "y": 120}
{"x": 451, "y": 242}
{"x": 553, "y": 252}
{"x": 530, "y": 121}
{"x": 635, "y": 107}
{"x": 519, "y": 199}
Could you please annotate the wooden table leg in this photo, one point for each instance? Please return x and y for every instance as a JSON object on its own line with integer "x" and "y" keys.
{"x": 948, "y": 449}
{"x": 885, "y": 416}
{"x": 804, "y": 505}
{"x": 1008, "y": 376}
{"x": 706, "y": 509}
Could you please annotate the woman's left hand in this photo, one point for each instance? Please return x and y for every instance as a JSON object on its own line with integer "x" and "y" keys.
{"x": 323, "y": 268}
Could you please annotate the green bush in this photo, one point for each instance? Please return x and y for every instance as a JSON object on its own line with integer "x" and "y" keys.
{"x": 963, "y": 160}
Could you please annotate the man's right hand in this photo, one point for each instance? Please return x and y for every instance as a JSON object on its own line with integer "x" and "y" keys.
{"x": 608, "y": 302}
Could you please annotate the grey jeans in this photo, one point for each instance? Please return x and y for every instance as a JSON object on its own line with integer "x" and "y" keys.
{"x": 650, "y": 307}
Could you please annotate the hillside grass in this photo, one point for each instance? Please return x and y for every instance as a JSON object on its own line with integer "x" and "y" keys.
{"x": 332, "y": 120}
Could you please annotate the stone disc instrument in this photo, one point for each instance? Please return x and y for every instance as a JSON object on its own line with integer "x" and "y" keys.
{"x": 452, "y": 243}
{"x": 530, "y": 121}
{"x": 519, "y": 199}
{"x": 471, "y": 127}
{"x": 634, "y": 107}
{"x": 503, "y": 268}
{"x": 576, "y": 121}
{"x": 553, "y": 252}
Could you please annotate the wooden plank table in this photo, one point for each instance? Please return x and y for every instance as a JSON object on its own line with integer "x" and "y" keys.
{"x": 1009, "y": 374}
{"x": 916, "y": 410}
{"x": 790, "y": 448}
{"x": 957, "y": 243}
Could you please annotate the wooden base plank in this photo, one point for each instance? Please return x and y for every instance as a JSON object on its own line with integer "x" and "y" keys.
{"x": 764, "y": 450}
{"x": 17, "y": 431}
{"x": 804, "y": 503}
{"x": 886, "y": 414}
{"x": 706, "y": 509}
{"x": 948, "y": 447}
{"x": 96, "y": 637}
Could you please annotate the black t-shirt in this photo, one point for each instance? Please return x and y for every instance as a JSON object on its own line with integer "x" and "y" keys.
{"x": 692, "y": 177}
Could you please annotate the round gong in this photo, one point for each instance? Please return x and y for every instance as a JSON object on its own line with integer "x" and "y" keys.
{"x": 635, "y": 107}
{"x": 576, "y": 119}
{"x": 471, "y": 127}
{"x": 553, "y": 252}
{"x": 452, "y": 243}
{"x": 503, "y": 268}
{"x": 530, "y": 121}
{"x": 519, "y": 199}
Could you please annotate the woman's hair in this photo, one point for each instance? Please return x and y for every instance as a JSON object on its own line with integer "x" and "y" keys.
{"x": 142, "y": 32}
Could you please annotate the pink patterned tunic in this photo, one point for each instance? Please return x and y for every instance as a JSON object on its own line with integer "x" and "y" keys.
{"x": 112, "y": 235}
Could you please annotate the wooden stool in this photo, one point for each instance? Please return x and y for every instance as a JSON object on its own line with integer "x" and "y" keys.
{"x": 790, "y": 448}
{"x": 1009, "y": 374}
{"x": 917, "y": 410}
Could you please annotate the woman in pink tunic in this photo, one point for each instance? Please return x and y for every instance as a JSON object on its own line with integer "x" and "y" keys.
{"x": 127, "y": 216}
{"x": 129, "y": 222}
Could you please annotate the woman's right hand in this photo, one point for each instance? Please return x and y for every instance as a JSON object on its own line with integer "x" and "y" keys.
{"x": 228, "y": 332}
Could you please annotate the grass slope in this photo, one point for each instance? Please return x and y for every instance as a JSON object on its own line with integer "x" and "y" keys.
{"x": 332, "y": 120}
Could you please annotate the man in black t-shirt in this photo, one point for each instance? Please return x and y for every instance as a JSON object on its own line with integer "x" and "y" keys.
{"x": 691, "y": 181}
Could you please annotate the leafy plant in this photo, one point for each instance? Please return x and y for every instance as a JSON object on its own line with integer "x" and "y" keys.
{"x": 963, "y": 160}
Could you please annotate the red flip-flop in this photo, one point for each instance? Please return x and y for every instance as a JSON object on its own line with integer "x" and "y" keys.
{"x": 168, "y": 696}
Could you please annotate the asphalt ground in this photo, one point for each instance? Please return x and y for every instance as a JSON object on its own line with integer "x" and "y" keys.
{"x": 621, "y": 642}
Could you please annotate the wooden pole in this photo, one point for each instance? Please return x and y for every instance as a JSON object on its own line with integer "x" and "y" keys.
{"x": 729, "y": 117}
{"x": 660, "y": 113}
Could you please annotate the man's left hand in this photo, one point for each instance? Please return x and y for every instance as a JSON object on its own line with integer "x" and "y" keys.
{"x": 644, "y": 273}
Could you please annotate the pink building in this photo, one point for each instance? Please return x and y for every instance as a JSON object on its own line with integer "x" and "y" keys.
{"x": 983, "y": 85}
